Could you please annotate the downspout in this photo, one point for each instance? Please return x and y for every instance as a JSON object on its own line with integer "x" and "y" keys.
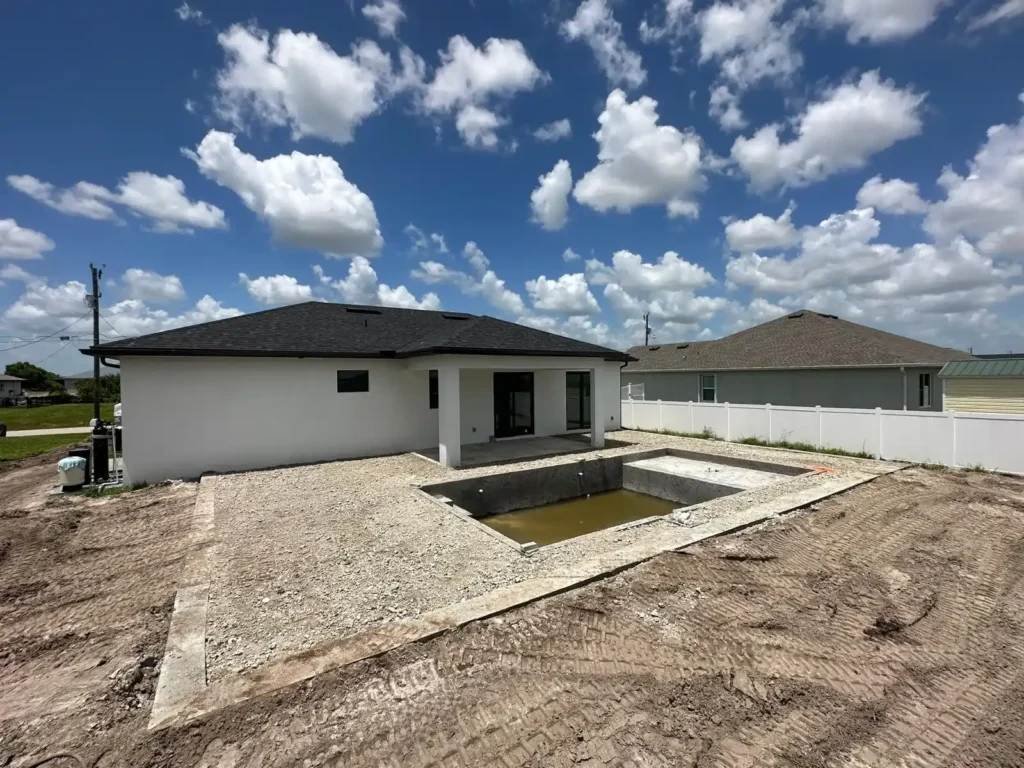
{"x": 904, "y": 372}
{"x": 109, "y": 364}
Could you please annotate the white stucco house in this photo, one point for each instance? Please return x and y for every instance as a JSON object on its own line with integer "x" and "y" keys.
{"x": 10, "y": 387}
{"x": 318, "y": 381}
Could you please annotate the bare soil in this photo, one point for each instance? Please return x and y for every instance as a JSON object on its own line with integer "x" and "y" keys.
{"x": 884, "y": 628}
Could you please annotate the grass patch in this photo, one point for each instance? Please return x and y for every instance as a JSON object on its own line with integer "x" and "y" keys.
{"x": 15, "y": 448}
{"x": 53, "y": 416}
{"x": 102, "y": 493}
{"x": 707, "y": 434}
{"x": 805, "y": 447}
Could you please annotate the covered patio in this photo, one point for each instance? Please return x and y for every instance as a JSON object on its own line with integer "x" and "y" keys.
{"x": 494, "y": 408}
{"x": 504, "y": 451}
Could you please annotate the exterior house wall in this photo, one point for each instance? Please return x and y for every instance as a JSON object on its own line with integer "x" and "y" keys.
{"x": 185, "y": 416}
{"x": 985, "y": 395}
{"x": 829, "y": 388}
{"x": 10, "y": 389}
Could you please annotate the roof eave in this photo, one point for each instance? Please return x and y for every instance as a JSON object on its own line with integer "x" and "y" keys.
{"x": 608, "y": 355}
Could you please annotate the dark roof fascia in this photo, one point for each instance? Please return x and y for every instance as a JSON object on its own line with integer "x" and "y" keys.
{"x": 384, "y": 355}
{"x": 789, "y": 368}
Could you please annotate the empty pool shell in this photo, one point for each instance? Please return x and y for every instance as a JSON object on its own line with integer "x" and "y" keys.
{"x": 510, "y": 491}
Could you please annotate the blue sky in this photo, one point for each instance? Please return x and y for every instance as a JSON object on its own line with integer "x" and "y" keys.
{"x": 713, "y": 163}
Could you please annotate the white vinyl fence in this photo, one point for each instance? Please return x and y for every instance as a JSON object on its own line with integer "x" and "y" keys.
{"x": 991, "y": 440}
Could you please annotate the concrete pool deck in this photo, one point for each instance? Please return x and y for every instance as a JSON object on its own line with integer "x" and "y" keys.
{"x": 338, "y": 561}
{"x": 723, "y": 474}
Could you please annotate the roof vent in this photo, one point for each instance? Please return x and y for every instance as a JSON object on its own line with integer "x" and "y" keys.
{"x": 682, "y": 346}
{"x": 455, "y": 317}
{"x": 653, "y": 349}
{"x": 795, "y": 315}
{"x": 362, "y": 310}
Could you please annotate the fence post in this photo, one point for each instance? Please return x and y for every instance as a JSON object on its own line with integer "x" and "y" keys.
{"x": 817, "y": 408}
{"x": 691, "y": 417}
{"x": 768, "y": 407}
{"x": 661, "y": 421}
{"x": 878, "y": 418}
{"x": 952, "y": 434}
{"x": 728, "y": 424}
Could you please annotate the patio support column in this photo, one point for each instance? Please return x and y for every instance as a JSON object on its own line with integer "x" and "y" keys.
{"x": 596, "y": 411}
{"x": 448, "y": 421}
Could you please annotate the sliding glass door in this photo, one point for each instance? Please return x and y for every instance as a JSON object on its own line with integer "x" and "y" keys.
{"x": 513, "y": 404}
{"x": 577, "y": 400}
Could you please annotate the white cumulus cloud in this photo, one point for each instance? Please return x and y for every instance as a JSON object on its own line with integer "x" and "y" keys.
{"x": 880, "y": 21}
{"x": 641, "y": 162}
{"x": 276, "y": 290}
{"x": 22, "y": 243}
{"x": 894, "y": 196}
{"x": 849, "y": 125}
{"x": 361, "y": 286}
{"x": 550, "y": 200}
{"x": 386, "y": 14}
{"x": 554, "y": 131}
{"x": 295, "y": 80}
{"x": 761, "y": 232}
{"x": 161, "y": 199}
{"x": 305, "y": 199}
{"x": 595, "y": 24}
{"x": 568, "y": 295}
{"x": 1007, "y": 10}
{"x": 483, "y": 283}
{"x": 470, "y": 79}
{"x": 145, "y": 285}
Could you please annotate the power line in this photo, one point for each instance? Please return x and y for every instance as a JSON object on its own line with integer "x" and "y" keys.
{"x": 59, "y": 349}
{"x": 44, "y": 338}
{"x": 103, "y": 317}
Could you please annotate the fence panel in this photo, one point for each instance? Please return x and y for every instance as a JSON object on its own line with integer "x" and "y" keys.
{"x": 644, "y": 415}
{"x": 910, "y": 436}
{"x": 676, "y": 417}
{"x": 796, "y": 425}
{"x": 850, "y": 429}
{"x": 709, "y": 416}
{"x": 994, "y": 441}
{"x": 748, "y": 421}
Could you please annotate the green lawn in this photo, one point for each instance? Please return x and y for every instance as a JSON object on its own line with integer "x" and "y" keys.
{"x": 53, "y": 416}
{"x": 14, "y": 448}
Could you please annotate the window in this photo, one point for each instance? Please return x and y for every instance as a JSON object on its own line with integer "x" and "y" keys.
{"x": 708, "y": 388}
{"x": 924, "y": 390}
{"x": 353, "y": 381}
{"x": 433, "y": 390}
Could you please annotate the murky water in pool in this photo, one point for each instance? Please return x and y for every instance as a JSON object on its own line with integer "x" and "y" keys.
{"x": 575, "y": 517}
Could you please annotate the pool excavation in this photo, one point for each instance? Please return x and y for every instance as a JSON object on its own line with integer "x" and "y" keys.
{"x": 547, "y": 505}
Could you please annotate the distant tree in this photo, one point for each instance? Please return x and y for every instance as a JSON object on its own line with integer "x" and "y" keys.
{"x": 36, "y": 379}
{"x": 110, "y": 389}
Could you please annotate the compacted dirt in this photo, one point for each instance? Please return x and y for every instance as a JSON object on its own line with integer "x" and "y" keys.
{"x": 883, "y": 628}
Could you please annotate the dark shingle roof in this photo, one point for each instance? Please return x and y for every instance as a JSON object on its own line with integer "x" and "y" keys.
{"x": 802, "y": 339}
{"x": 317, "y": 329}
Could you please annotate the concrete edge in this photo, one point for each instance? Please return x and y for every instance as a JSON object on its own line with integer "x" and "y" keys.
{"x": 464, "y": 516}
{"x": 190, "y": 702}
{"x": 183, "y": 669}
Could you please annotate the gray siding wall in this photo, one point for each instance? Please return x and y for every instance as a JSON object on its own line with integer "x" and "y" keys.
{"x": 835, "y": 388}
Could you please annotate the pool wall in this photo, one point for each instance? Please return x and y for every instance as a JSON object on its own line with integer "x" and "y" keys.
{"x": 522, "y": 489}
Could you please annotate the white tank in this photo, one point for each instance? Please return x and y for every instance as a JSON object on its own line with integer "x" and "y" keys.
{"x": 71, "y": 472}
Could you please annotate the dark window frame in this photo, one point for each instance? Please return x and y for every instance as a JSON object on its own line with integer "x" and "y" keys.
{"x": 924, "y": 384}
{"x": 433, "y": 390}
{"x": 585, "y": 387}
{"x": 353, "y": 381}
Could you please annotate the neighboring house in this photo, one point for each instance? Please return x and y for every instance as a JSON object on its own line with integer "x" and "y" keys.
{"x": 802, "y": 359}
{"x": 10, "y": 387}
{"x": 70, "y": 383}
{"x": 320, "y": 381}
{"x": 991, "y": 385}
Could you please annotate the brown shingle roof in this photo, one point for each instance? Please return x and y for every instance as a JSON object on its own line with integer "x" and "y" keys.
{"x": 802, "y": 339}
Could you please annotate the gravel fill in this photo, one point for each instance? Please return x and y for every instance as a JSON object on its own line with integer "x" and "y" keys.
{"x": 309, "y": 554}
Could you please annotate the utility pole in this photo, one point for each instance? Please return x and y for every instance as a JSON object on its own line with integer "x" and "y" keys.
{"x": 93, "y": 300}
{"x": 647, "y": 329}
